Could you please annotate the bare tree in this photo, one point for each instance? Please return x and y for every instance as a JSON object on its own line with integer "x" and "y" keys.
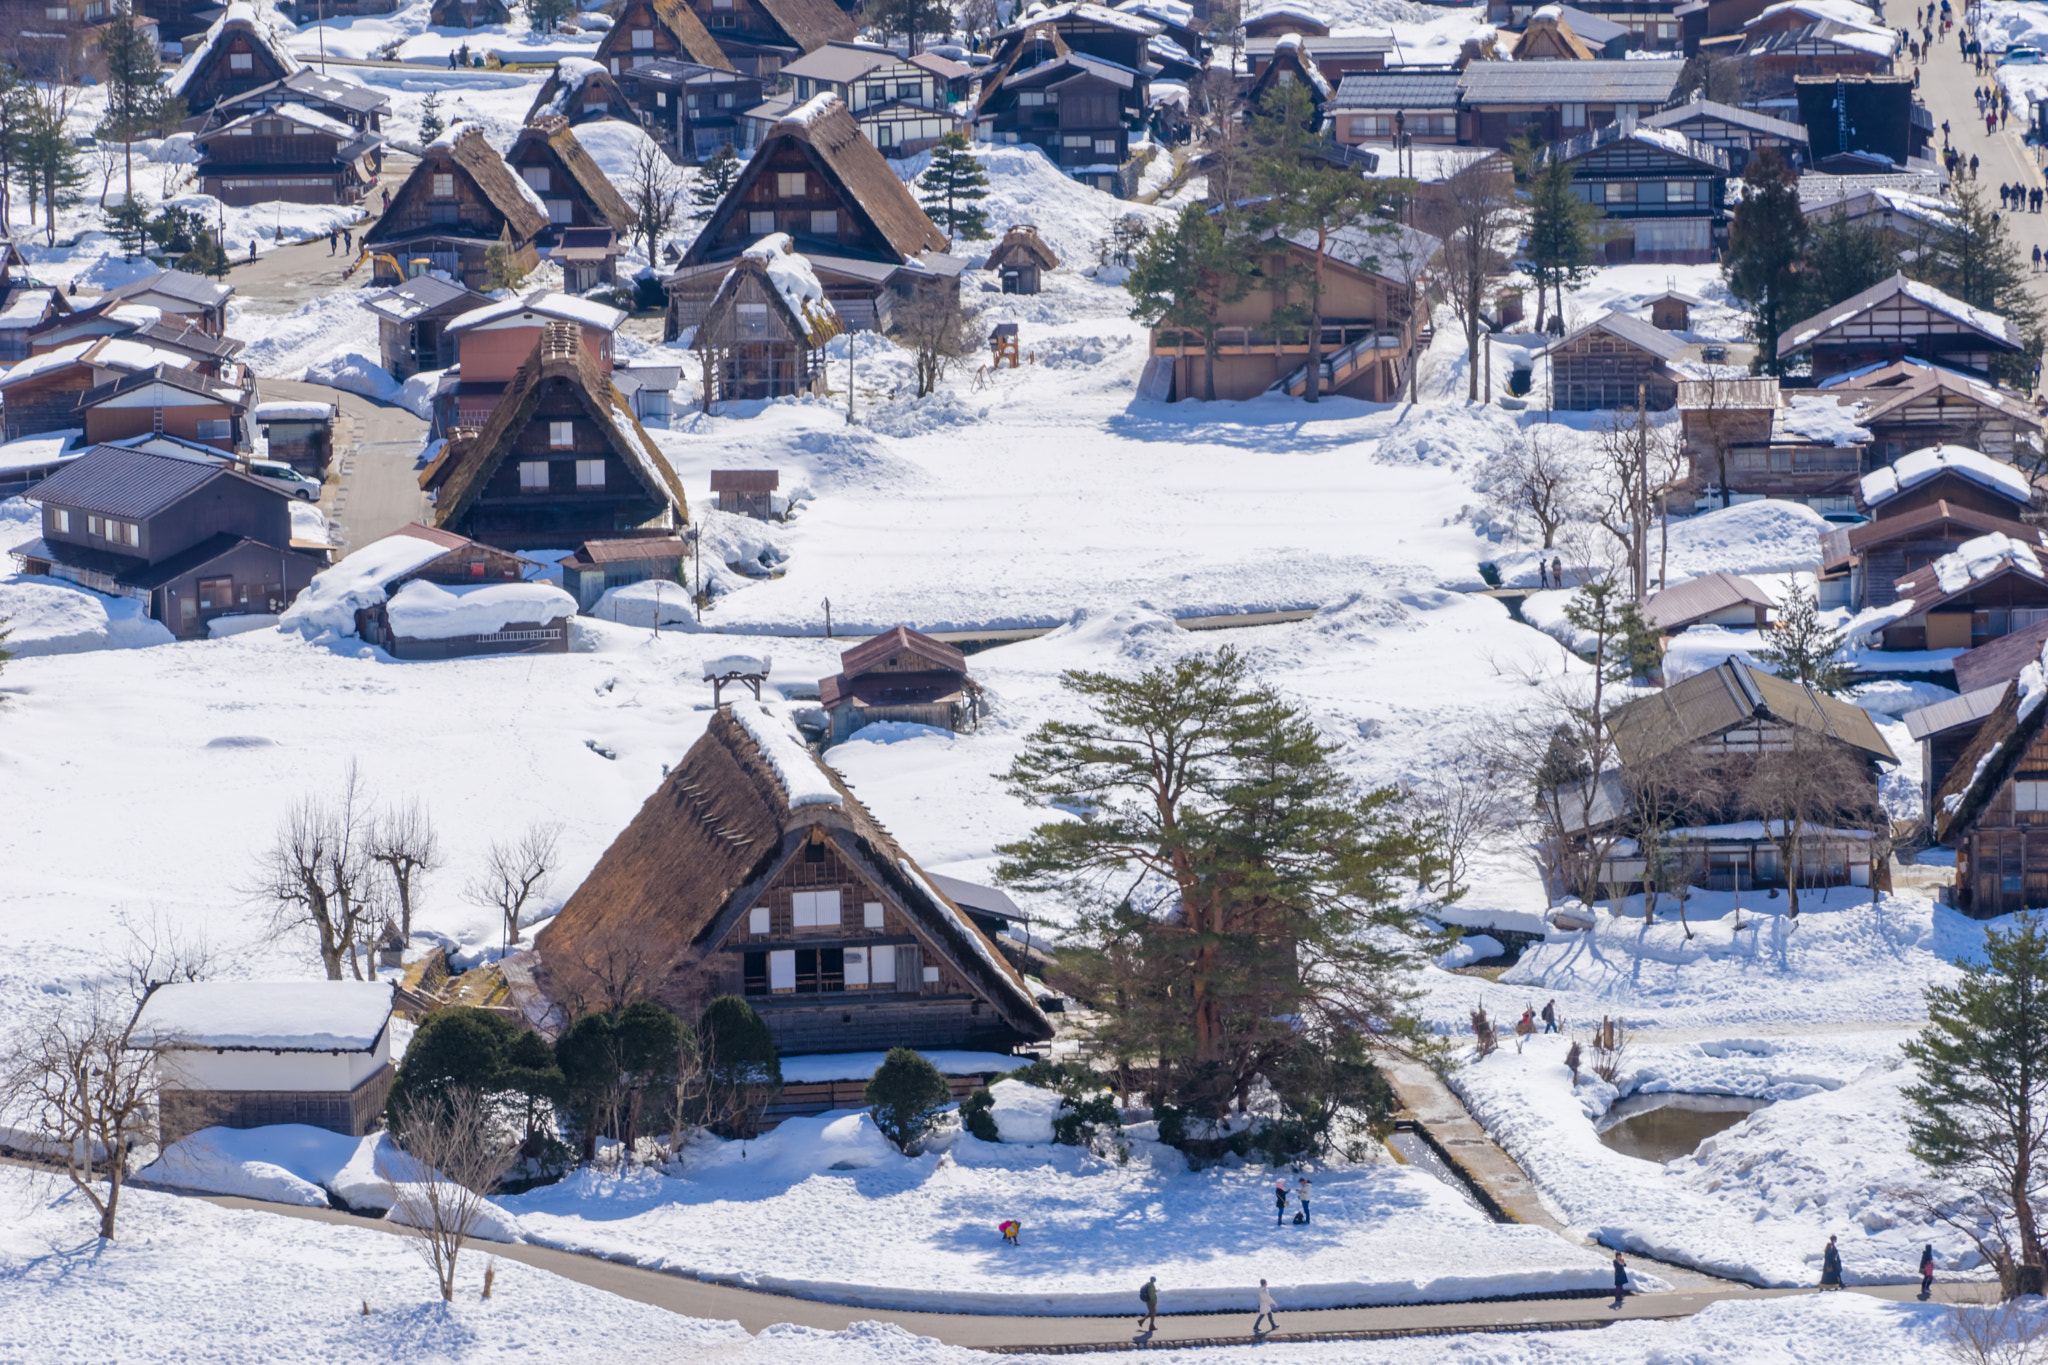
{"x": 934, "y": 328}
{"x": 1461, "y": 808}
{"x": 403, "y": 842}
{"x": 978, "y": 17}
{"x": 160, "y": 953}
{"x": 1535, "y": 477}
{"x": 516, "y": 873}
{"x": 452, "y": 1154}
{"x": 319, "y": 875}
{"x": 1639, "y": 465}
{"x": 2001, "y": 1334}
{"x": 604, "y": 979}
{"x": 1805, "y": 789}
{"x": 1475, "y": 218}
{"x": 1609, "y": 1049}
{"x": 85, "y": 1092}
{"x": 1221, "y": 134}
{"x": 657, "y": 196}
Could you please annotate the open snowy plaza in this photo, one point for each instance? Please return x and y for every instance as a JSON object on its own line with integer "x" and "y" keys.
{"x": 910, "y": 682}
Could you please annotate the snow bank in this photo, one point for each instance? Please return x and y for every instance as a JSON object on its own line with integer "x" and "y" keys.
{"x": 492, "y": 1224}
{"x": 331, "y": 600}
{"x": 431, "y": 611}
{"x": 353, "y": 372}
{"x": 1470, "y": 948}
{"x": 859, "y": 1066}
{"x": 289, "y": 1163}
{"x": 52, "y": 616}
{"x": 803, "y": 780}
{"x": 319, "y": 1016}
{"x": 1024, "y": 1113}
{"x": 1764, "y": 536}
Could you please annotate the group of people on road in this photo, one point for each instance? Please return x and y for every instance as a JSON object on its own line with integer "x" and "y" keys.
{"x": 459, "y": 58}
{"x": 344, "y": 237}
{"x": 2017, "y": 198}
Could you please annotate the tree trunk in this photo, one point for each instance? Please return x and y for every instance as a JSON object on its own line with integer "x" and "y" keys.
{"x": 1315, "y": 324}
{"x": 1209, "y": 367}
{"x": 113, "y": 1195}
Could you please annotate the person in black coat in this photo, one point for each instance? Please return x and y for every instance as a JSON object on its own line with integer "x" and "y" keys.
{"x": 1620, "y": 1279}
{"x": 1831, "y": 1267}
{"x": 1926, "y": 1270}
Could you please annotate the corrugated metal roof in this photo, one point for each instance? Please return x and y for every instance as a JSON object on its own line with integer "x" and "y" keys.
{"x": 1400, "y": 88}
{"x": 1597, "y": 82}
{"x": 1999, "y": 661}
{"x": 987, "y": 900}
{"x": 1595, "y": 30}
{"x": 1733, "y": 694}
{"x": 128, "y": 483}
{"x": 1633, "y": 330}
{"x": 1727, "y": 113}
{"x": 1967, "y": 709}
{"x": 1684, "y": 603}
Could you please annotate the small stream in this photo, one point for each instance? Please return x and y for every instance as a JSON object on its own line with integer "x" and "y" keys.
{"x": 1414, "y": 1149}
{"x": 1664, "y": 1128}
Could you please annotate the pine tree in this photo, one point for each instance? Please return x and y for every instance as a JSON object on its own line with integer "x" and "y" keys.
{"x": 431, "y": 123}
{"x": 908, "y": 1094}
{"x": 1560, "y": 233}
{"x": 137, "y": 100}
{"x": 1800, "y": 648}
{"x": 714, "y": 180}
{"x": 207, "y": 256}
{"x": 952, "y": 185}
{"x": 17, "y": 103}
{"x": 49, "y": 164}
{"x": 1766, "y": 238}
{"x": 129, "y": 222}
{"x": 1842, "y": 260}
{"x": 1976, "y": 261}
{"x": 1183, "y": 277}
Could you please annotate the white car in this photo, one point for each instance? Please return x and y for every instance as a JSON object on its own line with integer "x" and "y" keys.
{"x": 287, "y": 478}
{"x": 2020, "y": 56}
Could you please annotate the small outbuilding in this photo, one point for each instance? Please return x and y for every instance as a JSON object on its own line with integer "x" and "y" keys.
{"x": 1715, "y": 599}
{"x": 746, "y": 492}
{"x": 1609, "y": 362}
{"x": 299, "y": 433}
{"x": 412, "y": 323}
{"x": 249, "y": 1054}
{"x": 600, "y": 565}
{"x": 1671, "y": 311}
{"x": 1020, "y": 258}
{"x": 905, "y": 675}
{"x": 763, "y": 331}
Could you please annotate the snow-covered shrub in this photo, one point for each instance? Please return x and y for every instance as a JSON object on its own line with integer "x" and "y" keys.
{"x": 977, "y": 1116}
{"x": 908, "y": 1095}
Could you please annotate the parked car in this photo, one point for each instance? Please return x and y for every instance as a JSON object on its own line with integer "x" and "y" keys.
{"x": 287, "y": 478}
{"x": 2021, "y": 56}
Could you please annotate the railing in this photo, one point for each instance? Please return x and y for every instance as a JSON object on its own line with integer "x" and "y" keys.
{"x": 1336, "y": 336}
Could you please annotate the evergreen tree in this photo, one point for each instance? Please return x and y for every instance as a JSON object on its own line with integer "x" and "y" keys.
{"x": 609, "y": 1064}
{"x": 1560, "y": 233}
{"x": 908, "y": 1094}
{"x": 714, "y": 180}
{"x": 951, "y": 188}
{"x": 477, "y": 1050}
{"x": 207, "y": 256}
{"x": 1638, "y": 649}
{"x": 49, "y": 164}
{"x": 1184, "y": 276}
{"x": 431, "y": 123}
{"x": 911, "y": 20}
{"x": 1978, "y": 1115}
{"x": 1976, "y": 261}
{"x": 1766, "y": 239}
{"x": 1800, "y": 648}
{"x": 129, "y": 222}
{"x": 137, "y": 100}
{"x": 742, "y": 1073}
{"x": 1842, "y": 260}
{"x": 546, "y": 15}
{"x": 17, "y": 103}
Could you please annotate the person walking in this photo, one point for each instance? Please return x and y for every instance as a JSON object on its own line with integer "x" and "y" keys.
{"x": 1926, "y": 1252}
{"x": 387, "y": 200}
{"x": 1556, "y": 572}
{"x": 1550, "y": 1017}
{"x": 1831, "y": 1267}
{"x": 1149, "y": 1296}
{"x": 348, "y": 241}
{"x": 1266, "y": 1309}
{"x": 333, "y": 240}
{"x": 2035, "y": 197}
{"x": 1620, "y": 1279}
{"x": 1011, "y": 1230}
{"x": 1302, "y": 1189}
{"x": 2037, "y": 258}
{"x": 1279, "y": 1202}
{"x": 451, "y": 61}
{"x": 463, "y": 55}
{"x": 1973, "y": 165}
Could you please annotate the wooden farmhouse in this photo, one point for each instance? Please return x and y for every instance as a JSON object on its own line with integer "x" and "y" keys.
{"x": 1371, "y": 328}
{"x": 754, "y": 871}
{"x": 1994, "y": 798}
{"x": 1416, "y": 102}
{"x": 250, "y": 1054}
{"x": 360, "y": 107}
{"x": 762, "y": 334}
{"x": 578, "y": 195}
{"x": 1946, "y": 729}
{"x": 900, "y": 675}
{"x": 290, "y": 153}
{"x": 60, "y": 40}
{"x": 1292, "y": 64}
{"x": 1501, "y": 101}
{"x": 1549, "y": 37}
{"x": 659, "y": 30}
{"x": 1730, "y": 718}
{"x": 492, "y": 342}
{"x": 238, "y": 54}
{"x": 167, "y": 400}
{"x": 1053, "y": 86}
{"x": 1021, "y": 259}
{"x": 179, "y": 297}
{"x": 1910, "y": 221}
{"x": 412, "y": 323}
{"x": 459, "y": 202}
{"x": 560, "y": 461}
{"x": 1898, "y": 319}
{"x": 598, "y": 566}
{"x": 468, "y": 13}
{"x": 43, "y": 392}
{"x": 425, "y": 593}
{"x": 1985, "y": 588}
{"x": 1336, "y": 55}
{"x": 1746, "y": 436}
{"x": 1602, "y": 37}
{"x": 820, "y": 182}
{"x": 1614, "y": 361}
{"x": 1740, "y": 133}
{"x": 763, "y": 36}
{"x": 901, "y": 103}
{"x": 693, "y": 110}
{"x": 581, "y": 91}
{"x": 1911, "y": 404}
{"x": 190, "y": 537}
{"x": 1716, "y": 599}
{"x": 746, "y": 492}
{"x": 1671, "y": 311}
{"x": 1920, "y": 509}
{"x": 1666, "y": 188}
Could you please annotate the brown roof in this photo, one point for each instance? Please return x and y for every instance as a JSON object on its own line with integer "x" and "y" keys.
{"x": 447, "y": 540}
{"x": 811, "y": 24}
{"x": 745, "y": 480}
{"x": 2001, "y": 742}
{"x": 679, "y": 19}
{"x": 561, "y": 140}
{"x": 719, "y": 827}
{"x": 1840, "y": 543}
{"x": 1560, "y": 32}
{"x": 1907, "y": 381}
{"x": 891, "y": 689}
{"x": 898, "y": 640}
{"x": 551, "y": 90}
{"x": 1023, "y": 243}
{"x": 1733, "y": 694}
{"x": 747, "y": 282}
{"x": 594, "y": 552}
{"x": 558, "y": 353}
{"x": 1923, "y": 585}
{"x": 2001, "y": 660}
{"x": 481, "y": 163}
{"x": 1684, "y": 603}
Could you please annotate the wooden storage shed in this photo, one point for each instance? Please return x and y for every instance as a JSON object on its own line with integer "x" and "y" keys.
{"x": 746, "y": 492}
{"x": 1020, "y": 258}
{"x": 762, "y": 332}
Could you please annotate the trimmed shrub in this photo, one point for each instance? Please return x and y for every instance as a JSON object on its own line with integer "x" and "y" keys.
{"x": 908, "y": 1095}
{"x": 975, "y": 1113}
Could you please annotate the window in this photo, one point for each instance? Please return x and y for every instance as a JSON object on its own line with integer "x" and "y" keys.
{"x": 760, "y": 222}
{"x": 931, "y": 976}
{"x": 561, "y": 435}
{"x": 590, "y": 473}
{"x": 533, "y": 476}
{"x": 92, "y": 524}
{"x": 1625, "y": 115}
{"x": 782, "y": 972}
{"x": 661, "y": 99}
{"x": 1031, "y": 99}
{"x": 61, "y": 519}
{"x": 825, "y": 222}
{"x": 643, "y": 38}
{"x": 132, "y": 534}
{"x": 789, "y": 184}
{"x": 758, "y": 921}
{"x": 217, "y": 429}
{"x": 444, "y": 186}
{"x": 56, "y": 11}
{"x": 815, "y": 909}
{"x": 882, "y": 965}
{"x": 871, "y": 915}
{"x": 727, "y": 100}
{"x": 535, "y": 176}
{"x": 1074, "y": 140}
{"x": 878, "y": 93}
{"x": 1105, "y": 146}
{"x": 241, "y": 61}
{"x": 885, "y": 135}
{"x": 1575, "y": 116}
{"x": 907, "y": 90}
{"x": 2030, "y": 796}
{"x": 1681, "y": 191}
{"x": 561, "y": 211}
{"x": 721, "y": 4}
{"x": 1667, "y": 31}
{"x": 216, "y": 594}
{"x": 443, "y": 214}
{"x": 1650, "y": 192}
{"x": 856, "y": 969}
{"x": 1614, "y": 192}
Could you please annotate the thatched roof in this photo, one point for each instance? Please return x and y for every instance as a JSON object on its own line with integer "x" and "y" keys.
{"x": 803, "y": 317}
{"x": 810, "y": 24}
{"x": 716, "y": 831}
{"x": 2002, "y": 741}
{"x": 554, "y": 130}
{"x": 1022, "y": 245}
{"x": 841, "y": 152}
{"x": 682, "y": 21}
{"x": 466, "y": 466}
{"x": 468, "y": 153}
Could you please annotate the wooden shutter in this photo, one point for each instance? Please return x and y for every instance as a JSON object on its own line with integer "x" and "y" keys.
{"x": 909, "y": 967}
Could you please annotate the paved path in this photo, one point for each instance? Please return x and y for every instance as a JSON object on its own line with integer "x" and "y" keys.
{"x": 373, "y": 485}
{"x": 755, "y": 1311}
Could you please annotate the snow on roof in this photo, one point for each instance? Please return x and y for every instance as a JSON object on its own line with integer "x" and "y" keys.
{"x": 803, "y": 780}
{"x": 240, "y": 11}
{"x": 571, "y": 72}
{"x": 27, "y": 308}
{"x": 331, "y": 600}
{"x": 1922, "y": 465}
{"x": 326, "y": 123}
{"x": 1979, "y": 318}
{"x": 793, "y": 279}
{"x": 566, "y": 307}
{"x": 290, "y": 412}
{"x": 434, "y": 611}
{"x": 1818, "y": 417}
{"x": 136, "y": 356}
{"x": 1097, "y": 14}
{"x": 811, "y": 110}
{"x": 285, "y": 1016}
{"x": 1841, "y": 11}
{"x": 1983, "y": 557}
{"x": 2033, "y": 681}
{"x": 48, "y": 360}
{"x": 726, "y": 664}
{"x": 38, "y": 451}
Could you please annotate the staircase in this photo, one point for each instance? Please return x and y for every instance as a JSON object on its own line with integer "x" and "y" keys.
{"x": 1339, "y": 367}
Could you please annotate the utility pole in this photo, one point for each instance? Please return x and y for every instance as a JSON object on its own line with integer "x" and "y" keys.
{"x": 828, "y": 618}
{"x": 849, "y": 388}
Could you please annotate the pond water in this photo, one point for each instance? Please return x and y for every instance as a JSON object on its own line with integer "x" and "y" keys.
{"x": 1665, "y": 1127}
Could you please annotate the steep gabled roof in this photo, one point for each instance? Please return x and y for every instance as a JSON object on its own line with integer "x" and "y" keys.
{"x": 1993, "y": 755}
{"x": 1703, "y": 109}
{"x": 1733, "y": 694}
{"x": 1886, "y": 388}
{"x": 901, "y": 640}
{"x": 239, "y": 17}
{"x": 786, "y": 285}
{"x": 1998, "y": 331}
{"x": 466, "y": 148}
{"x": 554, "y": 132}
{"x": 1910, "y": 471}
{"x": 683, "y": 25}
{"x": 1669, "y": 141}
{"x": 810, "y": 24}
{"x": 742, "y": 802}
{"x": 1633, "y": 330}
{"x": 197, "y": 385}
{"x": 566, "y": 82}
{"x": 1548, "y": 23}
{"x": 558, "y": 354}
{"x": 1022, "y": 245}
